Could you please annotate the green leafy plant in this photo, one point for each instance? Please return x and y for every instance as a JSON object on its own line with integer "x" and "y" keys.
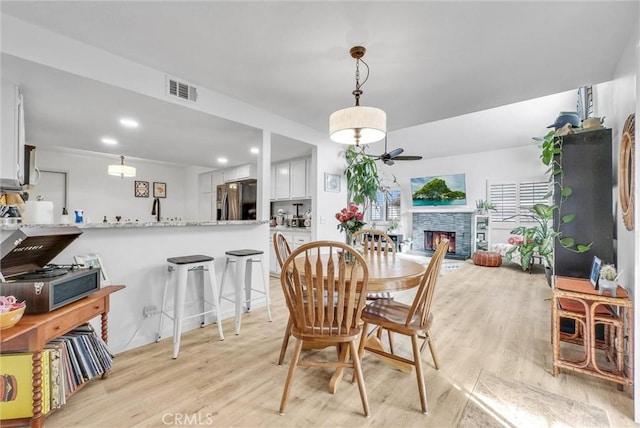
{"x": 362, "y": 177}
{"x": 551, "y": 156}
{"x": 536, "y": 240}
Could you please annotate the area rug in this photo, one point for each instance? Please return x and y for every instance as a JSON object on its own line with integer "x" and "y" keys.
{"x": 447, "y": 265}
{"x": 497, "y": 402}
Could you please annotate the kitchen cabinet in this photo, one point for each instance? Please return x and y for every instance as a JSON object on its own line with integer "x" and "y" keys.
{"x": 282, "y": 180}
{"x": 481, "y": 230}
{"x": 272, "y": 183}
{"x": 207, "y": 183}
{"x": 239, "y": 173}
{"x": 206, "y": 208}
{"x": 12, "y": 159}
{"x": 298, "y": 178}
{"x": 290, "y": 179}
{"x": 295, "y": 240}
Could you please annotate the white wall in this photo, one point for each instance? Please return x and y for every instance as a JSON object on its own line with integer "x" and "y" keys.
{"x": 520, "y": 162}
{"x": 36, "y": 44}
{"x": 90, "y": 187}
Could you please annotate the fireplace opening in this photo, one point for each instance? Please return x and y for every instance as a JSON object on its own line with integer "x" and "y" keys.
{"x": 433, "y": 237}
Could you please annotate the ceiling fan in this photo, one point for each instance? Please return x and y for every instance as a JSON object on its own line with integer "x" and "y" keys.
{"x": 388, "y": 158}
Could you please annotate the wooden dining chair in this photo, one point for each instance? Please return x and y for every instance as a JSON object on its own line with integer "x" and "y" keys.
{"x": 376, "y": 241}
{"x": 283, "y": 250}
{"x": 413, "y": 321}
{"x": 324, "y": 295}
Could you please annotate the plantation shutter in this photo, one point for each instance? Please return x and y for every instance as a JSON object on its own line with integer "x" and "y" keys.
{"x": 531, "y": 193}
{"x": 503, "y": 196}
{"x": 513, "y": 200}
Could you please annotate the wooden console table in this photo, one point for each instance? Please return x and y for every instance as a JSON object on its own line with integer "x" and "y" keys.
{"x": 33, "y": 332}
{"x": 576, "y": 298}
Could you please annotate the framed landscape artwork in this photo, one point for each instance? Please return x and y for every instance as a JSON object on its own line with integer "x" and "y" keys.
{"x": 439, "y": 190}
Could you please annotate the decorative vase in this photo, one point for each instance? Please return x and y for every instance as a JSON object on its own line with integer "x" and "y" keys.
{"x": 607, "y": 285}
{"x": 348, "y": 257}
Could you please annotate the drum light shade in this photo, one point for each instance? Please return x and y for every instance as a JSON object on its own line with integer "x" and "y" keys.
{"x": 358, "y": 125}
{"x": 122, "y": 170}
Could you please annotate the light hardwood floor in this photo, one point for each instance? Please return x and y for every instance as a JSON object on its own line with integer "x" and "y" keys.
{"x": 491, "y": 319}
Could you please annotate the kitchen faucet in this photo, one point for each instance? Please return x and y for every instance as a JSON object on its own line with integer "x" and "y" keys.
{"x": 156, "y": 208}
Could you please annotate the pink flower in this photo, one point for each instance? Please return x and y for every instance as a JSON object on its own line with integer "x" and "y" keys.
{"x": 350, "y": 219}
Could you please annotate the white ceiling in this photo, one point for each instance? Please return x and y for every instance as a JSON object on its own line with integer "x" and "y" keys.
{"x": 429, "y": 61}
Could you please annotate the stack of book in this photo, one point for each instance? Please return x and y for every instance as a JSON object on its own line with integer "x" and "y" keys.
{"x": 67, "y": 362}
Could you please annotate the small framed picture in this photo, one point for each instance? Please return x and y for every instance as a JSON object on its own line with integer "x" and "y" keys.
{"x": 480, "y": 236}
{"x": 159, "y": 190}
{"x": 141, "y": 189}
{"x": 93, "y": 261}
{"x": 595, "y": 271}
{"x": 331, "y": 182}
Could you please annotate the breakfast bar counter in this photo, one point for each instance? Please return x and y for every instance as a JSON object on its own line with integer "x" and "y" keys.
{"x": 136, "y": 254}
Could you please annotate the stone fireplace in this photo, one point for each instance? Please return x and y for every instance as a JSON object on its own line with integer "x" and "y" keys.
{"x": 431, "y": 227}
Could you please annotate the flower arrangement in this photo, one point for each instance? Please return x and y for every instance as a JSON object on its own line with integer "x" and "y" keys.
{"x": 608, "y": 272}
{"x": 350, "y": 219}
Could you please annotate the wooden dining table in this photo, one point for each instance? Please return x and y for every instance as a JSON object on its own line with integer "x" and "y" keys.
{"x": 386, "y": 273}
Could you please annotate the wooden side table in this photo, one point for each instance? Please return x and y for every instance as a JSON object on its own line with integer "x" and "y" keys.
{"x": 576, "y": 298}
{"x": 33, "y": 332}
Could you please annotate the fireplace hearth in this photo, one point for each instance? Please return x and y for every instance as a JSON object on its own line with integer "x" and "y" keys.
{"x": 432, "y": 239}
{"x": 455, "y": 223}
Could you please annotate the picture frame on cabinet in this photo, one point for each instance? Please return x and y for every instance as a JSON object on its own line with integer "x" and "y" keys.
{"x": 93, "y": 261}
{"x": 480, "y": 236}
{"x": 331, "y": 182}
{"x": 595, "y": 271}
{"x": 159, "y": 190}
{"x": 141, "y": 189}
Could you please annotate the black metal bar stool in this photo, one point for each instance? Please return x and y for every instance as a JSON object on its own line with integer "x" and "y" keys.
{"x": 198, "y": 264}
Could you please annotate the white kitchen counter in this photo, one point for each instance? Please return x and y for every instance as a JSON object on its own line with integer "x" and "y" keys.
{"x": 139, "y": 224}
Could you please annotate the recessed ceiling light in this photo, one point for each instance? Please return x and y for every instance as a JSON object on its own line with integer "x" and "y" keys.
{"x": 128, "y": 123}
{"x": 255, "y": 150}
{"x": 111, "y": 141}
{"x": 223, "y": 160}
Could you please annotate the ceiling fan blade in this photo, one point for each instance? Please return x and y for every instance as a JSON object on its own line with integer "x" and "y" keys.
{"x": 395, "y": 152}
{"x": 407, "y": 158}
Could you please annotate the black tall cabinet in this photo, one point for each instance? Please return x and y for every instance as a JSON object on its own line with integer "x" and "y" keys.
{"x": 587, "y": 167}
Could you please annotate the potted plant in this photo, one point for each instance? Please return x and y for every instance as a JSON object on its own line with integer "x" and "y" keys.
{"x": 537, "y": 241}
{"x": 608, "y": 279}
{"x": 551, "y": 156}
{"x": 362, "y": 177}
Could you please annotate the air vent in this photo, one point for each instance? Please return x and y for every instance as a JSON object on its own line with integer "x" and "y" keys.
{"x": 181, "y": 90}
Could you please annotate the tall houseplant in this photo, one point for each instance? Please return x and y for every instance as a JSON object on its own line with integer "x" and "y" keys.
{"x": 536, "y": 240}
{"x": 551, "y": 156}
{"x": 362, "y": 177}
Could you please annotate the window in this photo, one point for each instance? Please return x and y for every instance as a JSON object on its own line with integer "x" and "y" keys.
{"x": 386, "y": 206}
{"x": 513, "y": 199}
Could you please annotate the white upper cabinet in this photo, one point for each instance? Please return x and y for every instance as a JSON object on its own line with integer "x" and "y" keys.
{"x": 242, "y": 172}
{"x": 12, "y": 157}
{"x": 290, "y": 179}
{"x": 298, "y": 178}
{"x": 272, "y": 183}
{"x": 282, "y": 180}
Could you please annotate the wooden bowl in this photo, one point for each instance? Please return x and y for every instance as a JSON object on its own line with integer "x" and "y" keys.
{"x": 9, "y": 319}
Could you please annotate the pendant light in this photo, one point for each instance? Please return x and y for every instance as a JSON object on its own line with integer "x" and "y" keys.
{"x": 358, "y": 125}
{"x": 122, "y": 170}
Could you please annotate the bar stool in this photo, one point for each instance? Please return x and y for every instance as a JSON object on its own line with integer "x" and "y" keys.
{"x": 244, "y": 260}
{"x": 185, "y": 264}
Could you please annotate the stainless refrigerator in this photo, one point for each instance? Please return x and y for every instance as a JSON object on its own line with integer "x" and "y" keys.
{"x": 236, "y": 200}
